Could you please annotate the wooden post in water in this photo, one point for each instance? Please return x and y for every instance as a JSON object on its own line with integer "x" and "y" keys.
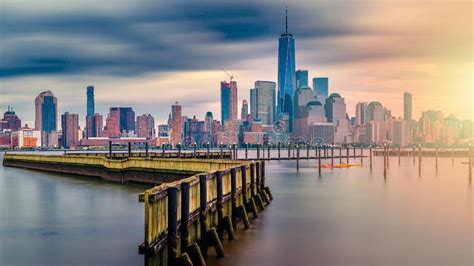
{"x": 269, "y": 148}
{"x": 219, "y": 205}
{"x": 319, "y": 161}
{"x": 221, "y": 151}
{"x": 289, "y": 151}
{"x": 470, "y": 163}
{"x": 388, "y": 156}
{"x": 184, "y": 233}
{"x": 194, "y": 150}
{"x": 263, "y": 151}
{"x": 384, "y": 160}
{"x": 361, "y": 155}
{"x": 399, "y": 155}
{"x": 307, "y": 150}
{"x": 419, "y": 159}
{"x": 354, "y": 147}
{"x": 162, "y": 150}
{"x": 252, "y": 179}
{"x": 452, "y": 155}
{"x": 370, "y": 156}
{"x": 347, "y": 154}
{"x": 258, "y": 151}
{"x": 246, "y": 151}
{"x": 110, "y": 149}
{"x": 172, "y": 236}
{"x": 340, "y": 154}
{"x": 203, "y": 213}
{"x": 129, "y": 149}
{"x": 297, "y": 157}
{"x": 279, "y": 155}
{"x": 257, "y": 176}
{"x": 233, "y": 194}
{"x": 179, "y": 150}
{"x": 436, "y": 155}
{"x": 332, "y": 157}
{"x": 208, "y": 151}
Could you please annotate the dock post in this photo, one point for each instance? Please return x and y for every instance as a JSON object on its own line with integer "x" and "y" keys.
{"x": 340, "y": 154}
{"x": 297, "y": 157}
{"x": 361, "y": 155}
{"x": 419, "y": 159}
{"x": 347, "y": 154}
{"x": 452, "y": 155}
{"x": 289, "y": 151}
{"x": 370, "y": 156}
{"x": 263, "y": 151}
{"x": 242, "y": 212}
{"x": 354, "y": 147}
{"x": 279, "y": 155}
{"x": 208, "y": 151}
{"x": 203, "y": 213}
{"x": 258, "y": 151}
{"x": 195, "y": 150}
{"x": 233, "y": 195}
{"x": 319, "y": 161}
{"x": 221, "y": 152}
{"x": 384, "y": 160}
{"x": 436, "y": 154}
{"x": 184, "y": 232}
{"x": 307, "y": 150}
{"x": 399, "y": 155}
{"x": 179, "y": 150}
{"x": 257, "y": 176}
{"x": 251, "y": 207}
{"x": 129, "y": 149}
{"x": 252, "y": 179}
{"x": 470, "y": 164}
{"x": 110, "y": 149}
{"x": 172, "y": 237}
{"x": 162, "y": 150}
{"x": 146, "y": 149}
{"x": 220, "y": 207}
{"x": 246, "y": 151}
{"x": 269, "y": 148}
{"x": 388, "y": 156}
{"x": 332, "y": 156}
{"x": 325, "y": 149}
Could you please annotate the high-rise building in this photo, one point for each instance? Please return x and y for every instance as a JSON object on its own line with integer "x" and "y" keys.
{"x": 407, "y": 106}
{"x": 361, "y": 113}
{"x": 194, "y": 132}
{"x": 70, "y": 128}
{"x": 303, "y": 96}
{"x": 94, "y": 125}
{"x": 208, "y": 121}
{"x": 46, "y": 106}
{"x": 10, "y": 120}
{"x": 145, "y": 126}
{"x": 176, "y": 123}
{"x": 320, "y": 87}
{"x": 286, "y": 74}
{"x": 228, "y": 100}
{"x": 401, "y": 133}
{"x": 262, "y": 102}
{"x": 90, "y": 101}
{"x": 244, "y": 112}
{"x": 301, "y": 78}
{"x": 124, "y": 117}
{"x": 335, "y": 109}
{"x": 375, "y": 112}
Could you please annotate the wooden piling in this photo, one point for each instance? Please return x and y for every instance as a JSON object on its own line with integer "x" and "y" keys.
{"x": 436, "y": 155}
{"x": 332, "y": 157}
{"x": 110, "y": 149}
{"x": 388, "y": 156}
{"x": 203, "y": 213}
{"x": 319, "y": 161}
{"x": 184, "y": 232}
{"x": 385, "y": 161}
{"x": 297, "y": 157}
{"x": 258, "y": 151}
{"x": 347, "y": 154}
{"x": 354, "y": 147}
{"x": 208, "y": 151}
{"x": 194, "y": 150}
{"x": 268, "y": 149}
{"x": 340, "y": 154}
{"x": 146, "y": 149}
{"x": 289, "y": 151}
{"x": 172, "y": 236}
{"x": 279, "y": 155}
{"x": 307, "y": 150}
{"x": 246, "y": 151}
{"x": 370, "y": 156}
{"x": 252, "y": 179}
{"x": 414, "y": 155}
{"x": 419, "y": 159}
{"x": 179, "y": 150}
{"x": 257, "y": 177}
{"x": 129, "y": 149}
{"x": 470, "y": 163}
{"x": 361, "y": 155}
{"x": 399, "y": 155}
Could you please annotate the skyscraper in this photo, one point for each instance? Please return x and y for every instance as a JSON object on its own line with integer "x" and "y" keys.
{"x": 407, "y": 105}
{"x": 90, "y": 101}
{"x": 10, "y": 120}
{"x": 361, "y": 113}
{"x": 46, "y": 112}
{"x": 145, "y": 126}
{"x": 320, "y": 87}
{"x": 245, "y": 110}
{"x": 262, "y": 102}
{"x": 228, "y": 100}
{"x": 301, "y": 78}
{"x": 70, "y": 128}
{"x": 335, "y": 108}
{"x": 286, "y": 74}
{"x": 176, "y": 121}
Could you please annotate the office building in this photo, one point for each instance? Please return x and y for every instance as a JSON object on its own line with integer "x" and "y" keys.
{"x": 70, "y": 129}
{"x": 320, "y": 88}
{"x": 301, "y": 78}
{"x": 407, "y": 106}
{"x": 228, "y": 100}
{"x": 262, "y": 102}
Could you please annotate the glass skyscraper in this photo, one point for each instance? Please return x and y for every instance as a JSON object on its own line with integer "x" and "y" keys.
{"x": 262, "y": 102}
{"x": 228, "y": 101}
{"x": 301, "y": 78}
{"x": 320, "y": 87}
{"x": 407, "y": 105}
{"x": 90, "y": 101}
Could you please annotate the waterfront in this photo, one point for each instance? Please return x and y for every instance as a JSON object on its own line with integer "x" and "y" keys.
{"x": 346, "y": 217}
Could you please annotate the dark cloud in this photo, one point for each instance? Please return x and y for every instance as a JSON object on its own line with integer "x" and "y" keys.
{"x": 156, "y": 37}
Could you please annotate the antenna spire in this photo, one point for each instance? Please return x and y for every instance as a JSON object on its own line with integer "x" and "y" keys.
{"x": 286, "y": 20}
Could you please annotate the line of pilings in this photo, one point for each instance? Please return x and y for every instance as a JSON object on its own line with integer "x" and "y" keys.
{"x": 180, "y": 251}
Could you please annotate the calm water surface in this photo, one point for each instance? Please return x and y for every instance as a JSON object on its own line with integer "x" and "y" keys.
{"x": 346, "y": 217}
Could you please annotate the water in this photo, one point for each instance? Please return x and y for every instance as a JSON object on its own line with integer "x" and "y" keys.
{"x": 346, "y": 217}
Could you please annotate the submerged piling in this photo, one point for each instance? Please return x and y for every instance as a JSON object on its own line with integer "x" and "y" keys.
{"x": 129, "y": 149}
{"x": 419, "y": 159}
{"x": 370, "y": 156}
{"x": 332, "y": 157}
{"x": 279, "y": 155}
{"x": 436, "y": 155}
{"x": 110, "y": 149}
{"x": 297, "y": 157}
{"x": 340, "y": 154}
{"x": 319, "y": 161}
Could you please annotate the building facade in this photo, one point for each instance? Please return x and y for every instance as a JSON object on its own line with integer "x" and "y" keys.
{"x": 262, "y": 102}
{"x": 321, "y": 88}
{"x": 70, "y": 130}
{"x": 228, "y": 100}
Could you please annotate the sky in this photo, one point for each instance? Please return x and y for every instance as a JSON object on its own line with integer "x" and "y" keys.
{"x": 149, "y": 54}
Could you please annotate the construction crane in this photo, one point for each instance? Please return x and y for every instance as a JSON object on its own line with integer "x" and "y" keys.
{"x": 230, "y": 75}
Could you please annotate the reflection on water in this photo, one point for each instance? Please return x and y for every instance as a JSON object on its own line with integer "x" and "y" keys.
{"x": 345, "y": 217}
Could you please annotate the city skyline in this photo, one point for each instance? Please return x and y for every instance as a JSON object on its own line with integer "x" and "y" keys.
{"x": 323, "y": 48}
